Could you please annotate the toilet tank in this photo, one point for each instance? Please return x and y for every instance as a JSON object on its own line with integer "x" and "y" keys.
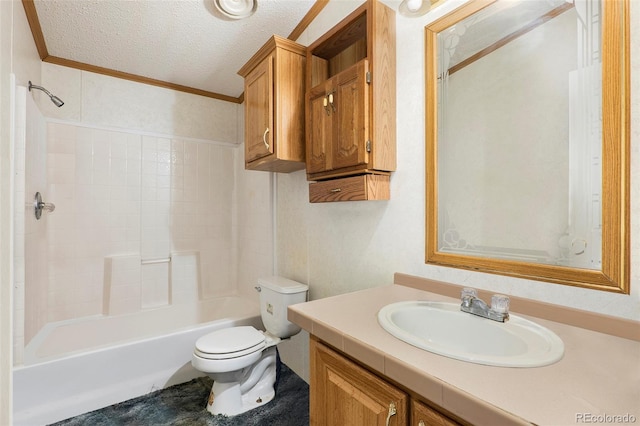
{"x": 276, "y": 294}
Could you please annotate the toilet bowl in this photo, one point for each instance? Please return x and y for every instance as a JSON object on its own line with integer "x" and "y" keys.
{"x": 242, "y": 360}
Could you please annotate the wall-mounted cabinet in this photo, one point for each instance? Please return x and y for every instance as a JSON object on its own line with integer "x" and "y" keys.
{"x": 351, "y": 110}
{"x": 274, "y": 88}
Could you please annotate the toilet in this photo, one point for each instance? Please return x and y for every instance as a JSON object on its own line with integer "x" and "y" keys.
{"x": 242, "y": 360}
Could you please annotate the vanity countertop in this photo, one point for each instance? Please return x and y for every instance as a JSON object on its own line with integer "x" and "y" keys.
{"x": 599, "y": 374}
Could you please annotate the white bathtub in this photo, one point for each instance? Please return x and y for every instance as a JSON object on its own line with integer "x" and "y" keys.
{"x": 75, "y": 367}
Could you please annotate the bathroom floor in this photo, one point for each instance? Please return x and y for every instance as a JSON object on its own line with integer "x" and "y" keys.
{"x": 185, "y": 404}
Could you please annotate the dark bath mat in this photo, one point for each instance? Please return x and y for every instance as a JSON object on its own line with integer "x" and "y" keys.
{"x": 185, "y": 404}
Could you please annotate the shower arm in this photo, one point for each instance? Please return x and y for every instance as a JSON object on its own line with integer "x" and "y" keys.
{"x": 56, "y": 100}
{"x": 34, "y": 86}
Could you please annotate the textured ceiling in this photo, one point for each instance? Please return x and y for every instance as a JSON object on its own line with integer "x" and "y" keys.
{"x": 184, "y": 42}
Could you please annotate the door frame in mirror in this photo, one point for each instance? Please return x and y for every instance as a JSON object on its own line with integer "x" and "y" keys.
{"x": 615, "y": 273}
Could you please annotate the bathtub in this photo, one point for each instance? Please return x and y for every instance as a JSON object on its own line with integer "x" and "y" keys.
{"x": 74, "y": 367}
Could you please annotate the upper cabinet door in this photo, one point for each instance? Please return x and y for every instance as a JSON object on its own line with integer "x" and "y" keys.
{"x": 274, "y": 96}
{"x": 258, "y": 91}
{"x": 349, "y": 100}
{"x": 318, "y": 130}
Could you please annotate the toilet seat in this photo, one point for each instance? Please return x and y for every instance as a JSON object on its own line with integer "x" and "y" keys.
{"x": 229, "y": 343}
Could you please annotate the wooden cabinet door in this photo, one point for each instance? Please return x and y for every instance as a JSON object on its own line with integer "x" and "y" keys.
{"x": 345, "y": 394}
{"x": 258, "y": 94}
{"x": 338, "y": 121}
{"x": 318, "y": 130}
{"x": 350, "y": 110}
{"x": 423, "y": 415}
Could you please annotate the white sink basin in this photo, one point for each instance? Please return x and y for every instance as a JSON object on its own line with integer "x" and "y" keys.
{"x": 443, "y": 329}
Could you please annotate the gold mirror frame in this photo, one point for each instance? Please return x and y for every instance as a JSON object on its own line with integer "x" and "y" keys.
{"x": 614, "y": 275}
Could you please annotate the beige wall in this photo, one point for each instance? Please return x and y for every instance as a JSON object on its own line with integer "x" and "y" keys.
{"x": 343, "y": 247}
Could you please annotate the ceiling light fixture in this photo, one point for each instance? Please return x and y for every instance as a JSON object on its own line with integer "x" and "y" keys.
{"x": 236, "y": 9}
{"x": 412, "y": 8}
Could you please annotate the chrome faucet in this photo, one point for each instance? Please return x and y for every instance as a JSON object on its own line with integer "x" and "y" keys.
{"x": 499, "y": 310}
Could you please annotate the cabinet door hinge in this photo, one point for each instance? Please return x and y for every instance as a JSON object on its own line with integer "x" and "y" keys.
{"x": 368, "y": 77}
{"x": 368, "y": 146}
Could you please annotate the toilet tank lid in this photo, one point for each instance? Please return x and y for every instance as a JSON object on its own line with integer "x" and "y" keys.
{"x": 282, "y": 285}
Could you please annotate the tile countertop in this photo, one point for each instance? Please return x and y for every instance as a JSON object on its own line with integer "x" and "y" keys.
{"x": 599, "y": 374}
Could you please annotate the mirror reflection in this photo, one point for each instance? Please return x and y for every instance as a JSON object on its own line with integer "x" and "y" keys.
{"x": 516, "y": 121}
{"x": 520, "y": 93}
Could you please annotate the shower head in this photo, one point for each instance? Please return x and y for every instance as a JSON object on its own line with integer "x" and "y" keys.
{"x": 56, "y": 100}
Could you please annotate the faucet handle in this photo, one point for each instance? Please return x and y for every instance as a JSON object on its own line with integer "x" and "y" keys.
{"x": 500, "y": 303}
{"x": 469, "y": 292}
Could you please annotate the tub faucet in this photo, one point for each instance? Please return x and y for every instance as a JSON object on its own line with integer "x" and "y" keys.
{"x": 499, "y": 310}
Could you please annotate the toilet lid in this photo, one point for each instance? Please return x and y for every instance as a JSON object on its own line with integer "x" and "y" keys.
{"x": 230, "y": 342}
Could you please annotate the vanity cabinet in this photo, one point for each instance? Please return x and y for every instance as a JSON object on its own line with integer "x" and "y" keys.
{"x": 274, "y": 90}
{"x": 344, "y": 393}
{"x": 351, "y": 113}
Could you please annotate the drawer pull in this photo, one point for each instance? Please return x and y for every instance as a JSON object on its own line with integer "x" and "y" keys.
{"x": 336, "y": 190}
{"x": 421, "y": 423}
{"x": 264, "y": 138}
{"x": 392, "y": 412}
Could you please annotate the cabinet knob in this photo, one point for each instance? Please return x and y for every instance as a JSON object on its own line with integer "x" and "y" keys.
{"x": 325, "y": 103}
{"x": 264, "y": 138}
{"x": 333, "y": 106}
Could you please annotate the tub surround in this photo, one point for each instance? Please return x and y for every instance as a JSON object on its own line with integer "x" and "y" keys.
{"x": 71, "y": 337}
{"x": 598, "y": 375}
{"x": 57, "y": 388}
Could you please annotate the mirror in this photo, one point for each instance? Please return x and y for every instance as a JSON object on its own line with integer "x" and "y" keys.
{"x": 527, "y": 132}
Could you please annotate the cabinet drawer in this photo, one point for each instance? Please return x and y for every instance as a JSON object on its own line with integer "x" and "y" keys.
{"x": 355, "y": 188}
{"x": 423, "y": 415}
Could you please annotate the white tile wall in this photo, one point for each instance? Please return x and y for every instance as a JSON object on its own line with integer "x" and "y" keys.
{"x": 35, "y": 237}
{"x": 20, "y": 97}
{"x": 30, "y": 238}
{"x": 203, "y": 210}
{"x": 122, "y": 284}
{"x": 121, "y": 194}
{"x": 184, "y": 277}
{"x": 155, "y": 235}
